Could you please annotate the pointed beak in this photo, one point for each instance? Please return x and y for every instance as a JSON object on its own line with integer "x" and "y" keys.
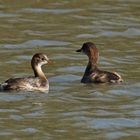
{"x": 49, "y": 61}
{"x": 79, "y": 50}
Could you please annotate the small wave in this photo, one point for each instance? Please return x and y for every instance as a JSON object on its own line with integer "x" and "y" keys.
{"x": 52, "y": 11}
{"x": 36, "y": 43}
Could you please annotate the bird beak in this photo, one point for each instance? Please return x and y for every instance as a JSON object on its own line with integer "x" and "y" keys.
{"x": 49, "y": 61}
{"x": 79, "y": 50}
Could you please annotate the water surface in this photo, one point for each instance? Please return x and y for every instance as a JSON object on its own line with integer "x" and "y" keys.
{"x": 71, "y": 110}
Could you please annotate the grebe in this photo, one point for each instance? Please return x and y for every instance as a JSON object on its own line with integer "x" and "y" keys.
{"x": 36, "y": 82}
{"x": 92, "y": 73}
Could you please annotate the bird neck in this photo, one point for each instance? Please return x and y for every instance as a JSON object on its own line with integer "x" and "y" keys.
{"x": 93, "y": 56}
{"x": 91, "y": 67}
{"x": 38, "y": 72}
{"x": 92, "y": 62}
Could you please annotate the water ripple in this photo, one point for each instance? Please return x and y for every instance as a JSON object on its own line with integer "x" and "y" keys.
{"x": 8, "y": 15}
{"x": 52, "y": 11}
{"x": 71, "y": 110}
{"x": 37, "y": 43}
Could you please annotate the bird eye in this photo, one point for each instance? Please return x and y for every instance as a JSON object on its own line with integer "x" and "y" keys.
{"x": 43, "y": 59}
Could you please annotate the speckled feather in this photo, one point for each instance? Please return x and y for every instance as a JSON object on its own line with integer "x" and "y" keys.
{"x": 29, "y": 83}
{"x": 38, "y": 82}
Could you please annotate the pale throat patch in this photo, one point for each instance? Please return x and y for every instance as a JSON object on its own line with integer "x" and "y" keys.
{"x": 42, "y": 63}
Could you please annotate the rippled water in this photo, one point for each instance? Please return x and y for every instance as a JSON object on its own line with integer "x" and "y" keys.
{"x": 71, "y": 110}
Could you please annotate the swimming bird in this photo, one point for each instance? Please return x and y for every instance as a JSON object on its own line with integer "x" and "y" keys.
{"x": 36, "y": 82}
{"x": 92, "y": 73}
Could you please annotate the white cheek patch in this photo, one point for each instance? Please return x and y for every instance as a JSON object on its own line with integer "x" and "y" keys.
{"x": 42, "y": 63}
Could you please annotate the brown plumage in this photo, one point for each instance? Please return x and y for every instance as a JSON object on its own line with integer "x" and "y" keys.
{"x": 36, "y": 82}
{"x": 92, "y": 73}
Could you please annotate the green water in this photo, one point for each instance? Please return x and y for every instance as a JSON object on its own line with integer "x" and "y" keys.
{"x": 71, "y": 110}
